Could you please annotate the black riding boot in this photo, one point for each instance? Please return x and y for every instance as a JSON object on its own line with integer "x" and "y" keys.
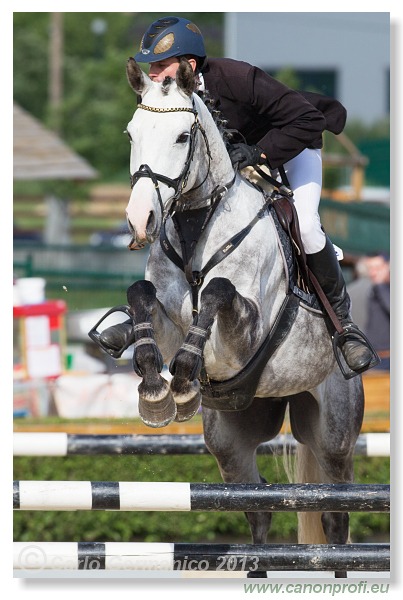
{"x": 325, "y": 266}
{"x": 116, "y": 336}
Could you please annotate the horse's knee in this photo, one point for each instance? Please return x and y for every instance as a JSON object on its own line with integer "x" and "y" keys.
{"x": 142, "y": 294}
{"x": 147, "y": 358}
{"x": 220, "y": 292}
{"x": 312, "y": 235}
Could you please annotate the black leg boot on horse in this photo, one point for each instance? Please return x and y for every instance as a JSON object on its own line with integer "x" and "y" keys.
{"x": 354, "y": 347}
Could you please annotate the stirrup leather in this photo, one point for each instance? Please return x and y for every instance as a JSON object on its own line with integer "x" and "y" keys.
{"x": 340, "y": 338}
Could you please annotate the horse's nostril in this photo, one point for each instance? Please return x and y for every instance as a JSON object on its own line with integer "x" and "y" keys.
{"x": 151, "y": 223}
{"x": 129, "y": 225}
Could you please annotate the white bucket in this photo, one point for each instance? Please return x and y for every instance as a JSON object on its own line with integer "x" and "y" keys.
{"x": 31, "y": 290}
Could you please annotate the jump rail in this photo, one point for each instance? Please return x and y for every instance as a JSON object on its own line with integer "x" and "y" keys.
{"x": 167, "y": 496}
{"x": 200, "y": 557}
{"x": 65, "y": 444}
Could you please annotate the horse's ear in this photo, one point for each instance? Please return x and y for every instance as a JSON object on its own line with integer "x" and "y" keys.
{"x": 185, "y": 77}
{"x": 137, "y": 79}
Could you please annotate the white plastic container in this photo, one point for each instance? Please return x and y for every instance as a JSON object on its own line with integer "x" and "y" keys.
{"x": 31, "y": 290}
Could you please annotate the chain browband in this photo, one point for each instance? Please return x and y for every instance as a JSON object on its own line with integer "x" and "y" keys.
{"x": 165, "y": 110}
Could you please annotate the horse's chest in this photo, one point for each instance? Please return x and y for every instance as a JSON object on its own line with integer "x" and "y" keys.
{"x": 177, "y": 303}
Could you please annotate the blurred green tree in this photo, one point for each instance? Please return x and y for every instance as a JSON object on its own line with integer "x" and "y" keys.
{"x": 97, "y": 102}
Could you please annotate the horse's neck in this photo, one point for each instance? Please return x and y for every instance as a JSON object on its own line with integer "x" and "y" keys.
{"x": 238, "y": 206}
{"x": 221, "y": 170}
{"x": 235, "y": 212}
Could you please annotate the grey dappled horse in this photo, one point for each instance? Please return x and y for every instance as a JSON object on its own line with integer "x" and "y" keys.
{"x": 179, "y": 163}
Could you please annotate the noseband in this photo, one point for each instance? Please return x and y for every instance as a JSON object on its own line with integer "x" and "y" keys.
{"x": 179, "y": 183}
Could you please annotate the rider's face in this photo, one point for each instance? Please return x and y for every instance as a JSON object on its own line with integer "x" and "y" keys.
{"x": 166, "y": 68}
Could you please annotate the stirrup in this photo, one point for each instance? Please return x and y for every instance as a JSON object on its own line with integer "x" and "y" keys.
{"x": 95, "y": 335}
{"x": 338, "y": 341}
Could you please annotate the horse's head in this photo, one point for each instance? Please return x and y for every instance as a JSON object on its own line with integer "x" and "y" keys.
{"x": 170, "y": 154}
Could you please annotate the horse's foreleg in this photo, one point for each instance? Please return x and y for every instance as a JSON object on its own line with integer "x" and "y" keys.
{"x": 156, "y": 404}
{"x": 218, "y": 300}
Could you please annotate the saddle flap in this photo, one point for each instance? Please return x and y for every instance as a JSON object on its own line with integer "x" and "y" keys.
{"x": 284, "y": 212}
{"x": 288, "y": 219}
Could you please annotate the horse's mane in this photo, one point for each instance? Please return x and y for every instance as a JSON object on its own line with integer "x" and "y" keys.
{"x": 231, "y": 136}
{"x": 221, "y": 123}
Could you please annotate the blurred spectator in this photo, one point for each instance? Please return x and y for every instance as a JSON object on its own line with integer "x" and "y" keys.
{"x": 370, "y": 297}
{"x": 377, "y": 327}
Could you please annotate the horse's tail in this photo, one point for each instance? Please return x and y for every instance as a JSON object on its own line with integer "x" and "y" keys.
{"x": 307, "y": 470}
{"x": 304, "y": 468}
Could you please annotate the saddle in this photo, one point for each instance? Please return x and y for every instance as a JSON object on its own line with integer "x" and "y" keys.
{"x": 288, "y": 219}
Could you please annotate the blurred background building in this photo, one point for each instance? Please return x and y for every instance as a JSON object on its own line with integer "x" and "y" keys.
{"x": 345, "y": 55}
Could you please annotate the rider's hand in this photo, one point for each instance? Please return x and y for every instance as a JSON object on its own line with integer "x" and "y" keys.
{"x": 245, "y": 155}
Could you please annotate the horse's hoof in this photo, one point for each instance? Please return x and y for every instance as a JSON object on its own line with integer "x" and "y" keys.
{"x": 188, "y": 408}
{"x": 158, "y": 410}
{"x": 159, "y": 413}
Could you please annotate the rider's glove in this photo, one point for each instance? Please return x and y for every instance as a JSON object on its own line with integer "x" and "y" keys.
{"x": 245, "y": 155}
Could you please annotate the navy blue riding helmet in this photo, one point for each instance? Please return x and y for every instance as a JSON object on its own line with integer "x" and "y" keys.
{"x": 170, "y": 36}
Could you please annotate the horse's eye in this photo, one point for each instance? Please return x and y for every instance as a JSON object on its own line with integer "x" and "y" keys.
{"x": 128, "y": 134}
{"x": 182, "y": 138}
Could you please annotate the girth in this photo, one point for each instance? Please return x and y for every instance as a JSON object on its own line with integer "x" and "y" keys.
{"x": 238, "y": 392}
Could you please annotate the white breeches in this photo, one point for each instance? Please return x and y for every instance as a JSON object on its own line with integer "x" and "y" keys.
{"x": 304, "y": 173}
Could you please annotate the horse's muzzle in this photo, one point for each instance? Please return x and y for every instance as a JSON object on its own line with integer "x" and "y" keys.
{"x": 136, "y": 245}
{"x": 139, "y": 240}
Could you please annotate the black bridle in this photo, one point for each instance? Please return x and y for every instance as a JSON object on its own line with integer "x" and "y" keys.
{"x": 178, "y": 183}
{"x": 174, "y": 208}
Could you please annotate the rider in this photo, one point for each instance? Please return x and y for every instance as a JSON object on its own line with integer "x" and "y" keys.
{"x": 281, "y": 128}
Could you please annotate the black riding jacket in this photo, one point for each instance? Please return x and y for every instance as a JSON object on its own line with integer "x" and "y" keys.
{"x": 282, "y": 121}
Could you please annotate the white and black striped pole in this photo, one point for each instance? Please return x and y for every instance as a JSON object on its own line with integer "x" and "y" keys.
{"x": 178, "y": 496}
{"x": 38, "y": 556}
